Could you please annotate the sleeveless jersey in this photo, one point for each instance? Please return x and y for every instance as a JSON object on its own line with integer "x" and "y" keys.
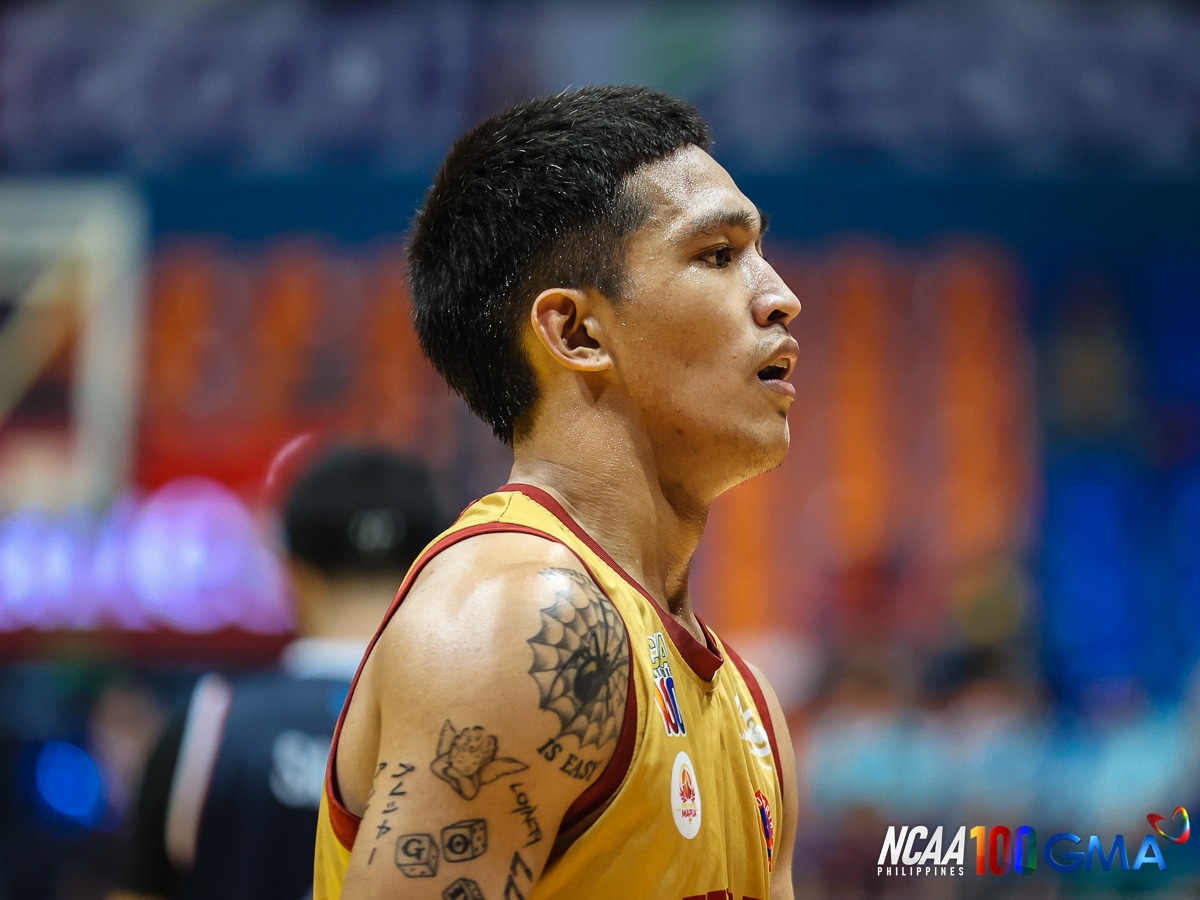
{"x": 693, "y": 789}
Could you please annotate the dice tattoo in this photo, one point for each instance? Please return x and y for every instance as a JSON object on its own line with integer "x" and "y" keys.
{"x": 464, "y": 840}
{"x": 417, "y": 855}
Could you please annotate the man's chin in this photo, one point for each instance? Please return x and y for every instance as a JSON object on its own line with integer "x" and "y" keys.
{"x": 777, "y": 441}
{"x": 763, "y": 456}
{"x": 781, "y": 450}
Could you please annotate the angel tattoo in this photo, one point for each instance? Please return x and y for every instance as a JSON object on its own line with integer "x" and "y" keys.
{"x": 466, "y": 760}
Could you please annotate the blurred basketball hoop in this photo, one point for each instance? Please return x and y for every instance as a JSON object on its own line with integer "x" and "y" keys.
{"x": 72, "y": 256}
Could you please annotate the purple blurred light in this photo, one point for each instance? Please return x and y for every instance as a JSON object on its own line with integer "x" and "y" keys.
{"x": 20, "y": 537}
{"x": 188, "y": 558}
{"x": 194, "y": 560}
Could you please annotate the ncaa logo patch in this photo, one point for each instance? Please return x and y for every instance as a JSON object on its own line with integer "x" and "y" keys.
{"x": 685, "y": 796}
{"x": 664, "y": 686}
{"x": 768, "y": 827}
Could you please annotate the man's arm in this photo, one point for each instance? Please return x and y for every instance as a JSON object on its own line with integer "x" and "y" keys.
{"x": 499, "y": 690}
{"x": 781, "y": 876}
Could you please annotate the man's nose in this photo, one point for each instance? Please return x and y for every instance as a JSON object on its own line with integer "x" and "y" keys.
{"x": 774, "y": 302}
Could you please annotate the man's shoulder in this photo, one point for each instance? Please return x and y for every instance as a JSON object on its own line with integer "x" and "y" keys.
{"x": 488, "y": 589}
{"x": 495, "y": 563}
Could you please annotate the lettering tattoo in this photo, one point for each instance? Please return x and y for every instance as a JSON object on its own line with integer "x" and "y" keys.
{"x": 466, "y": 760}
{"x": 526, "y": 810}
{"x": 417, "y": 855}
{"x": 581, "y": 661}
{"x": 402, "y": 769}
{"x": 573, "y": 765}
{"x": 517, "y": 869}
{"x": 550, "y": 749}
{"x": 463, "y": 889}
{"x": 582, "y": 769}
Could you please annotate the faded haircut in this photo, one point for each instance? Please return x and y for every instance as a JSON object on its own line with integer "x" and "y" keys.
{"x": 533, "y": 198}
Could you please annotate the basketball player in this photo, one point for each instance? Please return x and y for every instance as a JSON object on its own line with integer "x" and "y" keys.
{"x": 542, "y": 714}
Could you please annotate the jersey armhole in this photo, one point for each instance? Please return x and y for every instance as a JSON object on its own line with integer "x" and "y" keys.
{"x": 345, "y": 823}
{"x": 760, "y": 701}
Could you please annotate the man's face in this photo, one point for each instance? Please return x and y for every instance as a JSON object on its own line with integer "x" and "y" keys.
{"x": 700, "y": 338}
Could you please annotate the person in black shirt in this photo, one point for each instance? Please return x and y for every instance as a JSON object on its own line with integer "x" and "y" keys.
{"x": 229, "y": 797}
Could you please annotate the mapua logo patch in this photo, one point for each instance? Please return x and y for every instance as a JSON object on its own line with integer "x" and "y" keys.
{"x": 685, "y": 796}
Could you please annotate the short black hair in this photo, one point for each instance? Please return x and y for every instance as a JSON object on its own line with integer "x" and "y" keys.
{"x": 531, "y": 198}
{"x": 361, "y": 511}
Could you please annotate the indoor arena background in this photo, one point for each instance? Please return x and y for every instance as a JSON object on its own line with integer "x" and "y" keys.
{"x": 976, "y": 579}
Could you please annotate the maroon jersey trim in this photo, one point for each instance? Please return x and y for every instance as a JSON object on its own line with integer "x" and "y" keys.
{"x": 703, "y": 659}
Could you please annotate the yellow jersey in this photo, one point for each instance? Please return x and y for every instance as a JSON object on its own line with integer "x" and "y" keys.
{"x": 691, "y": 796}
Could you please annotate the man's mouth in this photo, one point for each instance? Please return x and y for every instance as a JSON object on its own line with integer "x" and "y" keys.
{"x": 772, "y": 373}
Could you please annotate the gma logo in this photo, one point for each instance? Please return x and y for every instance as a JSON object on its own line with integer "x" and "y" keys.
{"x": 999, "y": 850}
{"x": 1148, "y": 852}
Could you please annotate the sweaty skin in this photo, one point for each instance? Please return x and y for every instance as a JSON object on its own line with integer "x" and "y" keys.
{"x": 651, "y": 405}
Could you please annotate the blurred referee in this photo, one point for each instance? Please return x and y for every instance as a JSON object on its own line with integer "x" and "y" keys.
{"x": 228, "y": 803}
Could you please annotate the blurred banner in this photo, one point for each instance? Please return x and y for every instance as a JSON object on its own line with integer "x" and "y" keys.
{"x": 278, "y": 87}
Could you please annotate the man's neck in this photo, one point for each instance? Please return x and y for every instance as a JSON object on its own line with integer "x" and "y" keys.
{"x": 649, "y": 528}
{"x": 346, "y": 607}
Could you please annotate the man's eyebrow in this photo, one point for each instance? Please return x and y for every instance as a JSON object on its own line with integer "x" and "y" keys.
{"x": 718, "y": 220}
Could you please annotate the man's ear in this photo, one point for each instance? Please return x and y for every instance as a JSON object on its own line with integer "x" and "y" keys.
{"x": 564, "y": 324}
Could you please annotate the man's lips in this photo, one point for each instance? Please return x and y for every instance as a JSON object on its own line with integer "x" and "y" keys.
{"x": 780, "y": 366}
{"x": 780, "y": 386}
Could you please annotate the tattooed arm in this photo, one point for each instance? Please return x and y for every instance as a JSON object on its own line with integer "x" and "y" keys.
{"x": 493, "y": 699}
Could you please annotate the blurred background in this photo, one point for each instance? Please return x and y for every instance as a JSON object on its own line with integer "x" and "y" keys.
{"x": 975, "y": 581}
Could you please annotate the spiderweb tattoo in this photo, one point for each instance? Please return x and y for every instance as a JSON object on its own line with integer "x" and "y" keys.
{"x": 581, "y": 659}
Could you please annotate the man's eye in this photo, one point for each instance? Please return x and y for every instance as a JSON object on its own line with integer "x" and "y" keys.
{"x": 720, "y": 257}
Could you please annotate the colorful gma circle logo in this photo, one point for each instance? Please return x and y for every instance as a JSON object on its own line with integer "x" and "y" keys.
{"x": 998, "y": 850}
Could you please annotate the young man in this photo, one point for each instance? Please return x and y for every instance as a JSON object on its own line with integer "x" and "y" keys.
{"x": 542, "y": 713}
{"x": 229, "y": 798}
